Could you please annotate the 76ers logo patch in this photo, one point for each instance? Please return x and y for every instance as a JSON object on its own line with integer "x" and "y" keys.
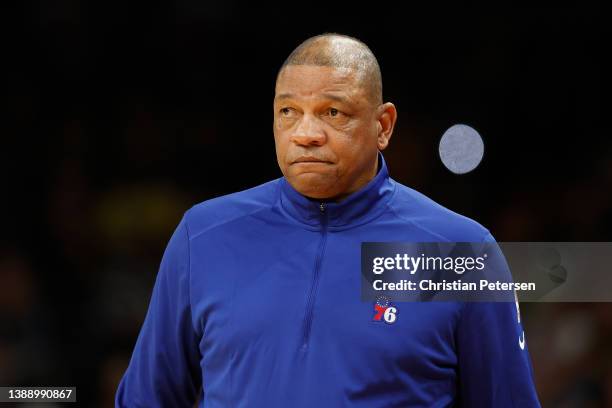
{"x": 383, "y": 311}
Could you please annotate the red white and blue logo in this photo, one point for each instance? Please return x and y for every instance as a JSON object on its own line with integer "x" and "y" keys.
{"x": 384, "y": 311}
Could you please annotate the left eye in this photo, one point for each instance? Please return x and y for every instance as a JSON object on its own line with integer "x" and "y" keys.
{"x": 334, "y": 112}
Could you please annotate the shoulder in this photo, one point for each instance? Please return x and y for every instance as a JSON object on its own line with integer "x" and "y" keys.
{"x": 434, "y": 219}
{"x": 221, "y": 210}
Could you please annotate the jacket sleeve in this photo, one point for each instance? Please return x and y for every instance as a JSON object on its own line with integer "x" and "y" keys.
{"x": 494, "y": 365}
{"x": 164, "y": 368}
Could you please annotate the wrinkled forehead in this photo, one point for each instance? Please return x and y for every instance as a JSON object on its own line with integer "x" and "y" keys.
{"x": 308, "y": 81}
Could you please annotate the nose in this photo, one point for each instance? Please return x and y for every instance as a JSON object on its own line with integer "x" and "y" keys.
{"x": 309, "y": 132}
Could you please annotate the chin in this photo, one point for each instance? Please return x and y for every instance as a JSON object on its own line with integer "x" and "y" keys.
{"x": 314, "y": 185}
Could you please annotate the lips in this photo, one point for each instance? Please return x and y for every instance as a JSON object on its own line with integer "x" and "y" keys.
{"x": 310, "y": 159}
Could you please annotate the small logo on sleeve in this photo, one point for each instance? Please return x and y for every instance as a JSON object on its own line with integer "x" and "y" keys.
{"x": 521, "y": 341}
{"x": 384, "y": 311}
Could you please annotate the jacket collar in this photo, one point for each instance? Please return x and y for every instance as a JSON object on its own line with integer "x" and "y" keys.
{"x": 359, "y": 207}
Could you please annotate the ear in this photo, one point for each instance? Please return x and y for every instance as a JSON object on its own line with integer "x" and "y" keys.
{"x": 387, "y": 115}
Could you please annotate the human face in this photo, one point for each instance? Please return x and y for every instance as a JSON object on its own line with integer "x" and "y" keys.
{"x": 326, "y": 131}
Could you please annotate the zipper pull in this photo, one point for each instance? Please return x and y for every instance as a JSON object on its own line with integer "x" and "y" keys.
{"x": 322, "y": 207}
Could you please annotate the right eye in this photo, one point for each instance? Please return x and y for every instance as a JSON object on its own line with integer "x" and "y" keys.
{"x": 286, "y": 111}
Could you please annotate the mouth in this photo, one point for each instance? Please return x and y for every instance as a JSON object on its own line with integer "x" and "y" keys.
{"x": 310, "y": 160}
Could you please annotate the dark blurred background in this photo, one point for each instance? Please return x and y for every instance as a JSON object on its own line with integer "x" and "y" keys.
{"x": 123, "y": 115}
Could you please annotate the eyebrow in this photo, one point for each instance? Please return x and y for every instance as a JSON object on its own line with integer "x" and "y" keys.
{"x": 326, "y": 95}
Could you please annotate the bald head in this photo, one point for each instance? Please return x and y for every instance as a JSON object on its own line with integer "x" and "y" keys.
{"x": 341, "y": 51}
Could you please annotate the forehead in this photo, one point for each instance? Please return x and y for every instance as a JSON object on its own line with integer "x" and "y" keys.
{"x": 313, "y": 81}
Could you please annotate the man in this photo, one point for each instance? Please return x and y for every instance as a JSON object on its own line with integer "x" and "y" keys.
{"x": 257, "y": 300}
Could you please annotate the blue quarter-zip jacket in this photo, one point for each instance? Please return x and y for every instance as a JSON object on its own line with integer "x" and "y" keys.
{"x": 257, "y": 304}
